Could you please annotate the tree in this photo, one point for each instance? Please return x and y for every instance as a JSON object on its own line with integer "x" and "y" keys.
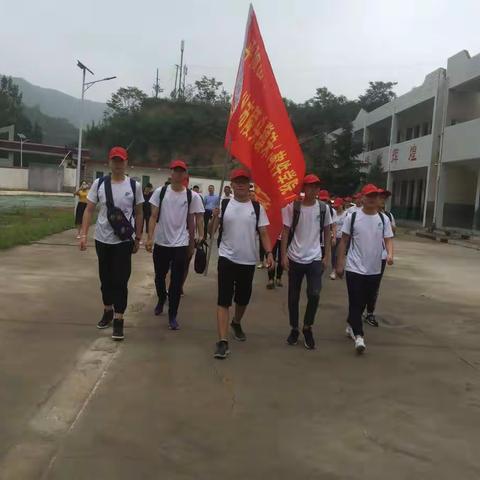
{"x": 207, "y": 91}
{"x": 376, "y": 174}
{"x": 126, "y": 100}
{"x": 377, "y": 94}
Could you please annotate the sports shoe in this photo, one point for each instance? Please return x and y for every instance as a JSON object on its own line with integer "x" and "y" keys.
{"x": 349, "y": 332}
{"x": 221, "y": 350}
{"x": 293, "y": 337}
{"x": 371, "y": 320}
{"x": 270, "y": 285}
{"x": 279, "y": 282}
{"x": 173, "y": 324}
{"x": 238, "y": 333}
{"x": 360, "y": 344}
{"x": 106, "y": 319}
{"x": 333, "y": 276}
{"x": 118, "y": 329}
{"x": 309, "y": 342}
{"x": 159, "y": 309}
{"x": 260, "y": 266}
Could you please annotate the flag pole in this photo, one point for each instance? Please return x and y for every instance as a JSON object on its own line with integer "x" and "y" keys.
{"x": 212, "y": 238}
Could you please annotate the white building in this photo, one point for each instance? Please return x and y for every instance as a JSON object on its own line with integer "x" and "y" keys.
{"x": 429, "y": 143}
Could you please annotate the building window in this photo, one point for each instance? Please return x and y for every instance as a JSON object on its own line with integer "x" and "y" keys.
{"x": 98, "y": 174}
{"x": 409, "y": 133}
{"x": 399, "y": 136}
{"x": 426, "y": 129}
{"x": 416, "y": 133}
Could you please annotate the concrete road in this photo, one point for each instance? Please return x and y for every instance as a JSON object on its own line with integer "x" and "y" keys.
{"x": 74, "y": 405}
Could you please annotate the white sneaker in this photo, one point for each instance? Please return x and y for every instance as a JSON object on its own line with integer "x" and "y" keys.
{"x": 333, "y": 276}
{"x": 349, "y": 332}
{"x": 360, "y": 345}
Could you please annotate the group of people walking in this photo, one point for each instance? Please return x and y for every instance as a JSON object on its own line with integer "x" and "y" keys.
{"x": 354, "y": 240}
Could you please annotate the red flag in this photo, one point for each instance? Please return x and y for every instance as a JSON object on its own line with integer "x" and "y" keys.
{"x": 259, "y": 132}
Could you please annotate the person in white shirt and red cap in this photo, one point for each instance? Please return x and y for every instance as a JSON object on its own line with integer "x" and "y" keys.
{"x": 241, "y": 220}
{"x": 171, "y": 236}
{"x": 368, "y": 232}
{"x": 306, "y": 228}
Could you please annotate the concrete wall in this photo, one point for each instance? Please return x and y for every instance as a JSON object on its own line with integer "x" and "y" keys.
{"x": 462, "y": 141}
{"x": 14, "y": 178}
{"x": 69, "y": 177}
{"x": 462, "y": 68}
{"x": 462, "y": 106}
{"x": 415, "y": 153}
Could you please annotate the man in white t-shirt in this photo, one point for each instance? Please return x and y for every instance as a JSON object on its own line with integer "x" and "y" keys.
{"x": 241, "y": 221}
{"x": 227, "y": 192}
{"x": 172, "y": 230}
{"x": 306, "y": 227}
{"x": 358, "y": 199}
{"x": 339, "y": 219}
{"x": 114, "y": 254}
{"x": 368, "y": 232}
{"x": 370, "y": 315}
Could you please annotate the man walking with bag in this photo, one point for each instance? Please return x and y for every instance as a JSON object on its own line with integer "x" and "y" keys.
{"x": 118, "y": 233}
{"x": 306, "y": 229}
{"x": 171, "y": 236}
{"x": 241, "y": 220}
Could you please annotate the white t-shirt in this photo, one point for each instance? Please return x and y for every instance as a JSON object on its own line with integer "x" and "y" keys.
{"x": 239, "y": 237}
{"x": 339, "y": 221}
{"x": 305, "y": 246}
{"x": 122, "y": 198}
{"x": 367, "y": 244}
{"x": 171, "y": 230}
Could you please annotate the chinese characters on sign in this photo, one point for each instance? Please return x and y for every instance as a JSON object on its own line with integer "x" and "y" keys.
{"x": 394, "y": 155}
{"x": 260, "y": 132}
{"x": 412, "y": 157}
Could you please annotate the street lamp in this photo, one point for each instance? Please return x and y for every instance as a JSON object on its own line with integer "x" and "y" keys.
{"x": 23, "y": 139}
{"x": 85, "y": 87}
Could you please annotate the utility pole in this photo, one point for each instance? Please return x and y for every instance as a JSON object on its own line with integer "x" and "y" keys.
{"x": 185, "y": 71}
{"x": 182, "y": 47}
{"x": 156, "y": 87}
{"x": 176, "y": 78}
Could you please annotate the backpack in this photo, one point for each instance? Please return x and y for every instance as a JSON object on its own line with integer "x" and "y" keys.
{"x": 163, "y": 191}
{"x": 297, "y": 205}
{"x": 256, "y": 208}
{"x": 121, "y": 225}
{"x": 200, "y": 262}
{"x": 354, "y": 216}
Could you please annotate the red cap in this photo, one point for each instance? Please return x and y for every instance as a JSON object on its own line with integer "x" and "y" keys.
{"x": 324, "y": 196}
{"x": 338, "y": 202}
{"x": 118, "y": 152}
{"x": 239, "y": 173}
{"x": 358, "y": 195}
{"x": 371, "y": 188}
{"x": 310, "y": 179}
{"x": 348, "y": 199}
{"x": 385, "y": 193}
{"x": 178, "y": 164}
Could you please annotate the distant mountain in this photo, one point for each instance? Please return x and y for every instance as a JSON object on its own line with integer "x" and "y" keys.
{"x": 59, "y": 105}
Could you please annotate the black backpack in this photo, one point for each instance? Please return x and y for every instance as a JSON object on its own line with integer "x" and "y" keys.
{"x": 200, "y": 262}
{"x": 120, "y": 224}
{"x": 256, "y": 208}
{"x": 297, "y": 205}
{"x": 163, "y": 191}
{"x": 354, "y": 216}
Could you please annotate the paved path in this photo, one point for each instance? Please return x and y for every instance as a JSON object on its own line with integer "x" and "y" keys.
{"x": 74, "y": 405}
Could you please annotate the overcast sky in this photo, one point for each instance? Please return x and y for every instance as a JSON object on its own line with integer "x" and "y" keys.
{"x": 340, "y": 44}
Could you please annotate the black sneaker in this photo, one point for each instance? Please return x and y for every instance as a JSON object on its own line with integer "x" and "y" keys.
{"x": 159, "y": 308}
{"x": 371, "y": 320}
{"x": 239, "y": 334}
{"x": 118, "y": 329}
{"x": 309, "y": 342}
{"x": 221, "y": 350}
{"x": 106, "y": 319}
{"x": 293, "y": 337}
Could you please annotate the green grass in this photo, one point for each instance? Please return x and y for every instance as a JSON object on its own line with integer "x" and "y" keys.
{"x": 20, "y": 226}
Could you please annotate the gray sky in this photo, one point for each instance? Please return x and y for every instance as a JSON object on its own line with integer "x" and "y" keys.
{"x": 341, "y": 44}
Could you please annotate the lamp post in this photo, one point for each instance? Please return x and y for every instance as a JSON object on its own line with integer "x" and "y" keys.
{"x": 85, "y": 87}
{"x": 23, "y": 139}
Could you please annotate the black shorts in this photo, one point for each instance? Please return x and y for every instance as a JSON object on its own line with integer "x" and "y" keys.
{"x": 81, "y": 206}
{"x": 234, "y": 283}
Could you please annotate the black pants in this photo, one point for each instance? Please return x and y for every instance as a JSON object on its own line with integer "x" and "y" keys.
{"x": 362, "y": 290}
{"x": 234, "y": 283}
{"x": 115, "y": 267}
{"x": 175, "y": 260}
{"x": 313, "y": 271}
{"x": 334, "y": 253}
{"x": 277, "y": 256}
{"x": 373, "y": 302}
{"x": 146, "y": 219}
{"x": 81, "y": 206}
{"x": 206, "y": 218}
